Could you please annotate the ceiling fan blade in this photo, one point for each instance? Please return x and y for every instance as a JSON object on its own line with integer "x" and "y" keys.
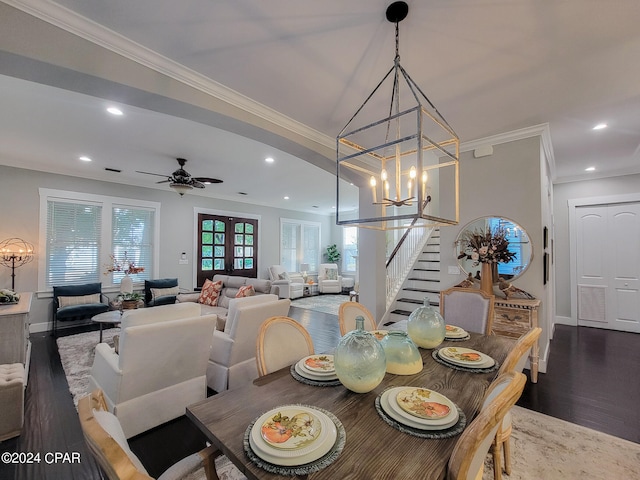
{"x": 197, "y": 184}
{"x": 166, "y": 181}
{"x": 208, "y": 180}
{"x": 149, "y": 173}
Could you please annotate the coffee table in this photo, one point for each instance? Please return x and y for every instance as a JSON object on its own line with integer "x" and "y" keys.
{"x": 114, "y": 317}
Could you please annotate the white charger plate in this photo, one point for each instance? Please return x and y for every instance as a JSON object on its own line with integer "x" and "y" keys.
{"x": 385, "y": 403}
{"x": 448, "y": 354}
{"x": 320, "y": 447}
{"x": 318, "y": 364}
{"x": 459, "y": 332}
{"x": 312, "y": 376}
{"x": 434, "y": 396}
{"x": 316, "y": 372}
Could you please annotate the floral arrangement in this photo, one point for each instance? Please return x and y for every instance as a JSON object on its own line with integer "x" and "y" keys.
{"x": 125, "y": 265}
{"x": 8, "y": 296}
{"x": 486, "y": 246}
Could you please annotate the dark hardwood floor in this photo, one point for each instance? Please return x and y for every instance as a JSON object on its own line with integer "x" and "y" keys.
{"x": 592, "y": 380}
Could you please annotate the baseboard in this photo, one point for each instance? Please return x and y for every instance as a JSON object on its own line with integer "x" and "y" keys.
{"x": 39, "y": 327}
{"x": 566, "y": 321}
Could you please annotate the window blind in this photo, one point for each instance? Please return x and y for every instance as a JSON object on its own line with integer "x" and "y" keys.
{"x": 132, "y": 235}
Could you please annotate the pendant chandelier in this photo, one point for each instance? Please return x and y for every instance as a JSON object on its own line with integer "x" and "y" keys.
{"x": 403, "y": 167}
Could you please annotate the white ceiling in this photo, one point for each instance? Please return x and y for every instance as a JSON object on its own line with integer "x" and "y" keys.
{"x": 490, "y": 66}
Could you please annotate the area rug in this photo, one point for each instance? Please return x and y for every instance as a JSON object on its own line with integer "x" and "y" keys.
{"x": 321, "y": 303}
{"x": 76, "y": 354}
{"x": 543, "y": 447}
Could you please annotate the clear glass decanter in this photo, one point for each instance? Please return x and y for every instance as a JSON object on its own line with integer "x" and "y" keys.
{"x": 426, "y": 326}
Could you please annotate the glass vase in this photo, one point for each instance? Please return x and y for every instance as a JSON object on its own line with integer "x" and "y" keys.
{"x": 360, "y": 360}
{"x": 426, "y": 326}
{"x": 403, "y": 357}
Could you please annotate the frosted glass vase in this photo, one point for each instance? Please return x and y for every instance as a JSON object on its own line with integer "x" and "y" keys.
{"x": 126, "y": 284}
{"x": 426, "y": 326}
{"x": 403, "y": 357}
{"x": 359, "y": 360}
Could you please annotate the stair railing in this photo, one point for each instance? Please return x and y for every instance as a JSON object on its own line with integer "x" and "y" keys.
{"x": 403, "y": 258}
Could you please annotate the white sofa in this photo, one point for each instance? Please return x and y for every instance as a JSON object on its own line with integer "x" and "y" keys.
{"x": 328, "y": 279}
{"x": 290, "y": 284}
{"x": 230, "y": 287}
{"x": 233, "y": 352}
{"x": 160, "y": 367}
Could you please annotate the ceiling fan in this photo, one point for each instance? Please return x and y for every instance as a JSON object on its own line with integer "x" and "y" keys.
{"x": 181, "y": 180}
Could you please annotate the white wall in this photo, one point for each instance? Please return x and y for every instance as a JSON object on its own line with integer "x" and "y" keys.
{"x": 564, "y": 192}
{"x": 19, "y": 217}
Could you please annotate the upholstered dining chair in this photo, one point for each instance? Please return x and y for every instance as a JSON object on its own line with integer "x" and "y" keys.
{"x": 281, "y": 341}
{"x": 514, "y": 362}
{"x": 469, "y": 308}
{"x": 108, "y": 444}
{"x": 467, "y": 459}
{"x": 347, "y": 317}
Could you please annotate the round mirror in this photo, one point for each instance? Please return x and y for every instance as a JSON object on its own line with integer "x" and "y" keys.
{"x": 515, "y": 258}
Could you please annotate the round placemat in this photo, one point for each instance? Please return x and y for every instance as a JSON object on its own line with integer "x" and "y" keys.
{"x": 314, "y": 383}
{"x": 307, "y": 468}
{"x": 436, "y": 357}
{"x": 416, "y": 432}
{"x": 461, "y": 339}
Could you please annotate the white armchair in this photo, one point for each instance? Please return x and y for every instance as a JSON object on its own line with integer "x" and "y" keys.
{"x": 160, "y": 366}
{"x": 290, "y": 285}
{"x": 232, "y": 361}
{"x": 328, "y": 279}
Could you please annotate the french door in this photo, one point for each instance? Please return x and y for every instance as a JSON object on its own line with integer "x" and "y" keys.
{"x": 608, "y": 266}
{"x": 227, "y": 245}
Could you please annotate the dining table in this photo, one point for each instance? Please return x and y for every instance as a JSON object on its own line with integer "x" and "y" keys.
{"x": 373, "y": 449}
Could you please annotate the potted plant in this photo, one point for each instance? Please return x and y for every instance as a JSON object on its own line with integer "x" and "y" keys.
{"x": 332, "y": 254}
{"x": 129, "y": 300}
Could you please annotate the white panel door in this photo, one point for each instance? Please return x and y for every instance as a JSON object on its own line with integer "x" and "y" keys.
{"x": 608, "y": 266}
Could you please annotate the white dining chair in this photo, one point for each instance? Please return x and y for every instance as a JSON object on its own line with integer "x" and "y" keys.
{"x": 467, "y": 459}
{"x": 514, "y": 362}
{"x": 347, "y": 314}
{"x": 469, "y": 308}
{"x": 281, "y": 342}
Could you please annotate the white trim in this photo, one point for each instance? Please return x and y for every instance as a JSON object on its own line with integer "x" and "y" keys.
{"x": 107, "y": 203}
{"x": 566, "y": 321}
{"x": 573, "y": 204}
{"x": 222, "y": 213}
{"x": 542, "y": 130}
{"x": 87, "y": 29}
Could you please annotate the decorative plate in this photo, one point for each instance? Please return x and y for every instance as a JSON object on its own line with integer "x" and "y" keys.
{"x": 455, "y": 332}
{"x": 388, "y": 403}
{"x": 319, "y": 363}
{"x": 423, "y": 403}
{"x": 466, "y": 357}
{"x": 291, "y": 429}
{"x": 320, "y": 377}
{"x": 380, "y": 334}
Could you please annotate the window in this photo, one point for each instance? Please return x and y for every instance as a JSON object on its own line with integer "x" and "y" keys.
{"x": 349, "y": 249}
{"x": 80, "y": 231}
{"x": 299, "y": 243}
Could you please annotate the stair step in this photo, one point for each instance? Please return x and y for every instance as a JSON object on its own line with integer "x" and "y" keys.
{"x": 421, "y": 290}
{"x": 426, "y": 269}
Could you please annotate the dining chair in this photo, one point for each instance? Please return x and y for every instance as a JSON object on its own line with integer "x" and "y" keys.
{"x": 469, "y": 308}
{"x": 514, "y": 362}
{"x": 106, "y": 440}
{"x": 347, "y": 317}
{"x": 281, "y": 342}
{"x": 467, "y": 458}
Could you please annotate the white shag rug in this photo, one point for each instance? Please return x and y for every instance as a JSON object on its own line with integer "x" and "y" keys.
{"x": 321, "y": 303}
{"x": 543, "y": 447}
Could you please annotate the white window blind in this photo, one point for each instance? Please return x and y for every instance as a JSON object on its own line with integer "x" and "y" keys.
{"x": 349, "y": 249}
{"x": 299, "y": 243}
{"x": 132, "y": 235}
{"x": 73, "y": 243}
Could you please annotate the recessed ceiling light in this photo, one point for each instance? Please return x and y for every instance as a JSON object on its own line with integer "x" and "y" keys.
{"x": 600, "y": 126}
{"x": 115, "y": 111}
{"x": 84, "y": 158}
{"x": 269, "y": 160}
{"x": 286, "y": 197}
{"x": 590, "y": 169}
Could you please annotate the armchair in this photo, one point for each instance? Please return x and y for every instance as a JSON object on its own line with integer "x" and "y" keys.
{"x": 232, "y": 360}
{"x": 160, "y": 366}
{"x": 328, "y": 279}
{"x": 290, "y": 285}
{"x": 77, "y": 302}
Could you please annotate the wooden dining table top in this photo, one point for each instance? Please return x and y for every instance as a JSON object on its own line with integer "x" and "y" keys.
{"x": 373, "y": 449}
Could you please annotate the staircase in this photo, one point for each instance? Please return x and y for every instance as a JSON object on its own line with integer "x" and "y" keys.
{"x": 423, "y": 281}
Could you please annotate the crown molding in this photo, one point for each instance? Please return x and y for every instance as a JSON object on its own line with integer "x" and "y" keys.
{"x": 541, "y": 130}
{"x": 93, "y": 32}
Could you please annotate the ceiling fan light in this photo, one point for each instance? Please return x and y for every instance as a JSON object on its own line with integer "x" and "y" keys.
{"x": 181, "y": 188}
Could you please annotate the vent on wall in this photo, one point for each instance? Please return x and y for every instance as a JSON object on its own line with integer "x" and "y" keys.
{"x": 591, "y": 303}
